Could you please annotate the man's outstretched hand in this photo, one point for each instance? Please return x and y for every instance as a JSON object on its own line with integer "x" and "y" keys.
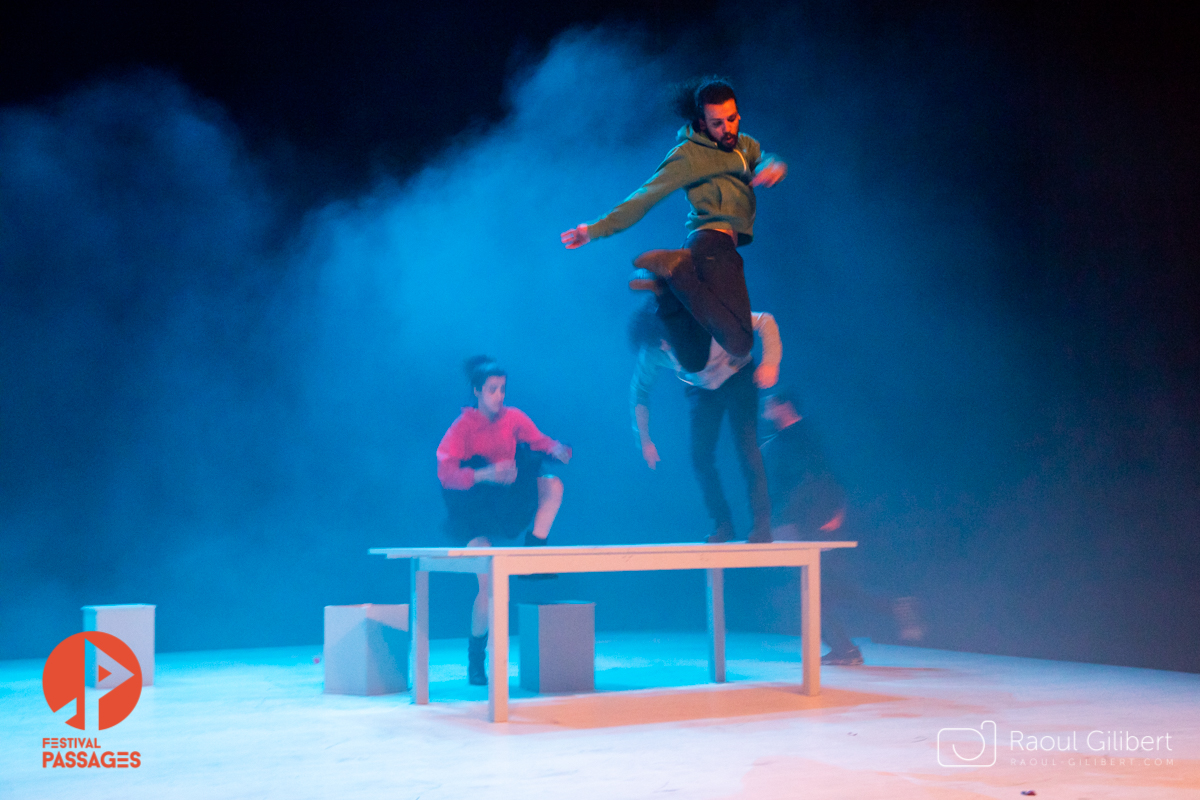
{"x": 771, "y": 173}
{"x": 576, "y": 237}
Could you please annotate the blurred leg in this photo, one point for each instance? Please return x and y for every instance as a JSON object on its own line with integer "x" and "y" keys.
{"x": 550, "y": 495}
{"x": 687, "y": 337}
{"x": 707, "y": 410}
{"x": 741, "y": 399}
{"x": 479, "y": 610}
{"x": 712, "y": 285}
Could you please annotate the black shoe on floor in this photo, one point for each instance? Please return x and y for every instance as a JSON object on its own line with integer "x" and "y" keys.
{"x": 844, "y": 658}
{"x": 723, "y": 533}
{"x": 476, "y": 656}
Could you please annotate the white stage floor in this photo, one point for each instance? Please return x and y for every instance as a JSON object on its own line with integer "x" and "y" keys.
{"x": 254, "y": 723}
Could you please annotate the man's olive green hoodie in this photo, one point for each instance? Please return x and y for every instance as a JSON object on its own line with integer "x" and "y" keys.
{"x": 717, "y": 184}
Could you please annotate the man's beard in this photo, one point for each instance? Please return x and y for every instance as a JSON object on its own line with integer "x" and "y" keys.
{"x": 728, "y": 142}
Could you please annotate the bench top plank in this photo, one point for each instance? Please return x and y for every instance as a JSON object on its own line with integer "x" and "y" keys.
{"x": 612, "y": 558}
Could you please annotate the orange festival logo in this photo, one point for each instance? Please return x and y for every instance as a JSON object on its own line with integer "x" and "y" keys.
{"x": 64, "y": 678}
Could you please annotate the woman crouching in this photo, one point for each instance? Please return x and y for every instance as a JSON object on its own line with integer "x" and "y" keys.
{"x": 494, "y": 483}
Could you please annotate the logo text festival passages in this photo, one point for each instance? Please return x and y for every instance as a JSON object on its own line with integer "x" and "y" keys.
{"x": 63, "y": 681}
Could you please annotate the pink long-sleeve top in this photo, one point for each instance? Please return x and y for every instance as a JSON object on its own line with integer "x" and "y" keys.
{"x": 473, "y": 434}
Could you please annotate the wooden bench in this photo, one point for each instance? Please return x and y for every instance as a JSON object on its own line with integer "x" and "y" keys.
{"x": 502, "y": 562}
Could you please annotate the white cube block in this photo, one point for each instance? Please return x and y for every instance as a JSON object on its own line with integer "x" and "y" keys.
{"x": 366, "y": 649}
{"x": 132, "y": 624}
{"x": 558, "y": 647}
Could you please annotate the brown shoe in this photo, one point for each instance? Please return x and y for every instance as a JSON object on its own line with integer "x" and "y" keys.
{"x": 643, "y": 280}
{"x": 662, "y": 263}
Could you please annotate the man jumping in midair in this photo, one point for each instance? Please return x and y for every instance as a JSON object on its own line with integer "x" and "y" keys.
{"x": 719, "y": 168}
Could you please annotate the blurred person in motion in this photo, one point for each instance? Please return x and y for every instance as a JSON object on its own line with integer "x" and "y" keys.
{"x": 491, "y": 466}
{"x": 810, "y": 505}
{"x": 726, "y": 386}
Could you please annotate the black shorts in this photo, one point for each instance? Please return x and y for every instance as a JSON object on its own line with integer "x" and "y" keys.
{"x": 491, "y": 510}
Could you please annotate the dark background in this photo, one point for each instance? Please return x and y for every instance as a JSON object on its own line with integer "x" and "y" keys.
{"x": 245, "y": 248}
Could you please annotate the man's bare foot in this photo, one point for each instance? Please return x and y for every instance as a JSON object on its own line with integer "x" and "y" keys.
{"x": 643, "y": 280}
{"x": 662, "y": 263}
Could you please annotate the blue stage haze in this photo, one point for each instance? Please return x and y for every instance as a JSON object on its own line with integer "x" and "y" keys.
{"x": 211, "y": 404}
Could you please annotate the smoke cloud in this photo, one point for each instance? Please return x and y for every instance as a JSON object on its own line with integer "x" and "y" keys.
{"x": 208, "y": 404}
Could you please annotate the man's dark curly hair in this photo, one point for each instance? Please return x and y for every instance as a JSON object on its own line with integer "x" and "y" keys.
{"x": 690, "y": 97}
{"x": 645, "y": 328}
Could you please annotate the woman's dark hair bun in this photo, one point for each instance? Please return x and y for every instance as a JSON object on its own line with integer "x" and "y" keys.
{"x": 480, "y": 368}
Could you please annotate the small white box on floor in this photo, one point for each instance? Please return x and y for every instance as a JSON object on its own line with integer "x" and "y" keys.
{"x": 132, "y": 624}
{"x": 558, "y": 647}
{"x": 366, "y": 649}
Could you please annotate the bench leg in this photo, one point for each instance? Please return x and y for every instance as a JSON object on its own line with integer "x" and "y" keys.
{"x": 716, "y": 625}
{"x": 419, "y": 625}
{"x": 498, "y": 645}
{"x": 810, "y": 626}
